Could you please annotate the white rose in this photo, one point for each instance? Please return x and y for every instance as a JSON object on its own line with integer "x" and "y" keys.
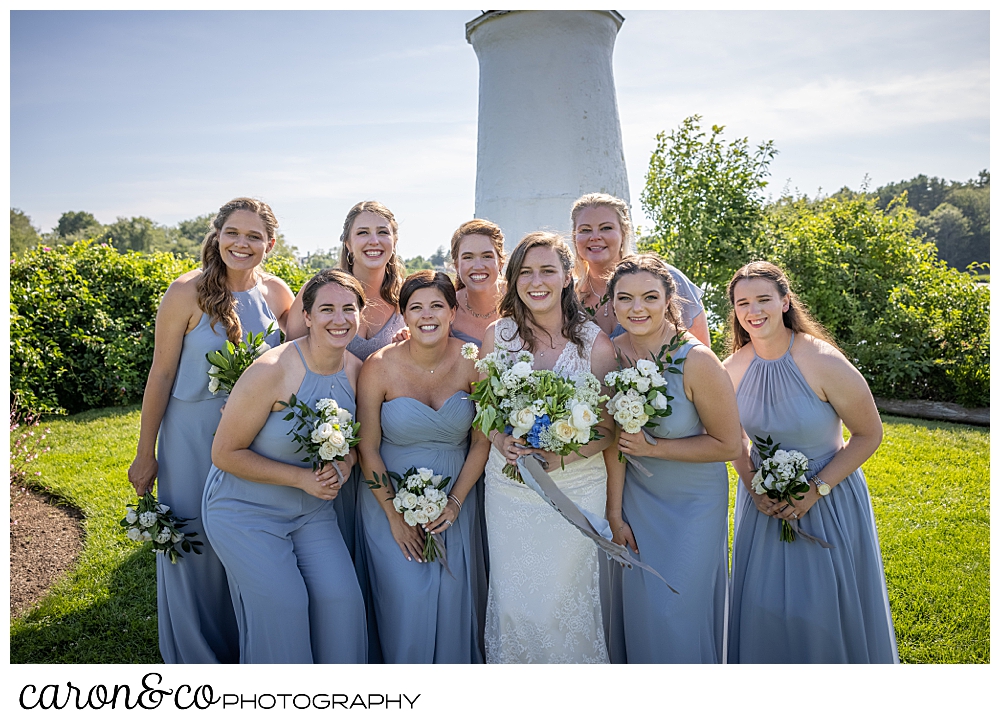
{"x": 131, "y": 516}
{"x": 134, "y": 534}
{"x": 522, "y": 421}
{"x": 213, "y": 384}
{"x": 397, "y": 503}
{"x": 325, "y": 430}
{"x": 177, "y": 537}
{"x": 564, "y": 431}
{"x": 583, "y": 417}
{"x": 344, "y": 417}
{"x": 431, "y": 511}
{"x": 632, "y": 426}
{"x": 646, "y": 367}
{"x": 425, "y": 474}
{"x": 146, "y": 535}
{"x": 657, "y": 380}
{"x": 264, "y": 347}
{"x": 636, "y": 408}
{"x": 660, "y": 401}
{"x": 337, "y": 439}
{"x": 410, "y": 500}
{"x": 327, "y": 451}
{"x": 420, "y": 516}
{"x": 436, "y": 479}
{"x": 642, "y": 384}
{"x": 521, "y": 369}
{"x": 410, "y": 518}
{"x": 583, "y": 436}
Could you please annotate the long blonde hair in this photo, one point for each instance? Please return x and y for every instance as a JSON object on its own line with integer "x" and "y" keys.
{"x": 214, "y": 296}
{"x": 395, "y": 271}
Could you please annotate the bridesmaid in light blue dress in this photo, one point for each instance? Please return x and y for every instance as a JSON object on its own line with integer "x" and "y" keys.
{"x": 415, "y": 412}
{"x": 226, "y": 299}
{"x": 368, "y": 252}
{"x": 800, "y": 602}
{"x": 269, "y": 515}
{"x": 676, "y": 519}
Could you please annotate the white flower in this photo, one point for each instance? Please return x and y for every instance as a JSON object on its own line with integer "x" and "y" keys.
{"x": 177, "y": 537}
{"x": 657, "y": 380}
{"x": 611, "y": 378}
{"x": 510, "y": 380}
{"x": 326, "y": 404}
{"x": 410, "y": 500}
{"x": 632, "y": 426}
{"x": 636, "y": 408}
{"x": 147, "y": 519}
{"x": 642, "y": 384}
{"x": 660, "y": 401}
{"x": 409, "y": 517}
{"x": 522, "y": 421}
{"x": 397, "y": 504}
{"x": 583, "y": 417}
{"x": 146, "y": 535}
{"x": 431, "y": 511}
{"x": 344, "y": 417}
{"x": 436, "y": 479}
{"x": 521, "y": 369}
{"x": 525, "y": 356}
{"x": 134, "y": 534}
{"x": 264, "y": 347}
{"x": 131, "y": 516}
{"x": 327, "y": 450}
{"x": 470, "y": 351}
{"x": 425, "y": 474}
{"x": 564, "y": 430}
{"x": 213, "y": 384}
{"x": 164, "y": 509}
{"x": 646, "y": 367}
{"x": 420, "y": 516}
{"x": 163, "y": 536}
{"x": 337, "y": 439}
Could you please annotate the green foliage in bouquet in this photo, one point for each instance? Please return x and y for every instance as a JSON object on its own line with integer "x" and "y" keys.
{"x": 230, "y": 362}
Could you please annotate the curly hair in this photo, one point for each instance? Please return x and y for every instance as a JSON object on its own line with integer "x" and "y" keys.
{"x": 512, "y": 306}
{"x": 797, "y": 318}
{"x": 214, "y": 296}
{"x": 477, "y": 226}
{"x": 395, "y": 271}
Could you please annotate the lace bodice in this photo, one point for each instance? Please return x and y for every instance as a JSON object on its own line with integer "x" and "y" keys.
{"x": 570, "y": 363}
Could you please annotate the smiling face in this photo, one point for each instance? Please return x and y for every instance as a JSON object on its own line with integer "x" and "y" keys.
{"x": 759, "y": 306}
{"x": 243, "y": 240}
{"x": 333, "y": 320}
{"x": 371, "y": 241}
{"x": 428, "y": 316}
{"x": 478, "y": 266}
{"x": 598, "y": 236}
{"x": 641, "y": 303}
{"x": 541, "y": 279}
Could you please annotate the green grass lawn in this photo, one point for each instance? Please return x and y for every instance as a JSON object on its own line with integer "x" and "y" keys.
{"x": 929, "y": 482}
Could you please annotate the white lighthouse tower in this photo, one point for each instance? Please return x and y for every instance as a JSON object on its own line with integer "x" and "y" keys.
{"x": 548, "y": 117}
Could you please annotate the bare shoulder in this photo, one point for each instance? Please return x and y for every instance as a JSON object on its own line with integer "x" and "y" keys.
{"x": 814, "y": 355}
{"x": 185, "y": 286}
{"x": 271, "y": 366}
{"x": 739, "y": 360}
{"x": 276, "y": 285}
{"x": 702, "y": 356}
{"x": 352, "y": 365}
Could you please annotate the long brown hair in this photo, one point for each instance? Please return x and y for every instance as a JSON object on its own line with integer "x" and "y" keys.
{"x": 476, "y": 226}
{"x": 651, "y": 264}
{"x": 426, "y": 279}
{"x": 214, "y": 295}
{"x": 596, "y": 200}
{"x": 395, "y": 271}
{"x": 511, "y": 305}
{"x": 797, "y": 318}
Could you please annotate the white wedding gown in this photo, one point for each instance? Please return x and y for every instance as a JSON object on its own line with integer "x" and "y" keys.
{"x": 544, "y": 602}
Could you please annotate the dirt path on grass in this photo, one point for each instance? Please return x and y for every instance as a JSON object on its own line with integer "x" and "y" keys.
{"x": 45, "y": 540}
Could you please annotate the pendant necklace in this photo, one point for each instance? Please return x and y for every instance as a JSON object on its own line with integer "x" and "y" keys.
{"x": 473, "y": 312}
{"x": 601, "y": 300}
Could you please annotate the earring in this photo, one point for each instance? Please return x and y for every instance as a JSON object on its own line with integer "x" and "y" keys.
{"x": 350, "y": 258}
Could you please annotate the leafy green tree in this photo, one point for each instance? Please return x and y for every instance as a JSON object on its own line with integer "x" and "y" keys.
{"x": 705, "y": 197}
{"x": 416, "y": 264}
{"x": 138, "y": 233}
{"x": 77, "y": 225}
{"x": 924, "y": 194}
{"x": 439, "y": 258}
{"x": 23, "y": 236}
{"x": 322, "y": 260}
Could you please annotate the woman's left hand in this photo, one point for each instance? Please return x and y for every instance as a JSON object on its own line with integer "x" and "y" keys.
{"x": 444, "y": 521}
{"x": 635, "y": 444}
{"x": 401, "y": 336}
{"x": 344, "y": 466}
{"x": 797, "y": 508}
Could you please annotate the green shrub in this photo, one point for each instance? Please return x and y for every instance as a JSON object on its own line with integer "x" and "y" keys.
{"x": 81, "y": 324}
{"x": 287, "y": 268}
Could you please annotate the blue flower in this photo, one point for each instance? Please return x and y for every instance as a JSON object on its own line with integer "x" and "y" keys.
{"x": 541, "y": 423}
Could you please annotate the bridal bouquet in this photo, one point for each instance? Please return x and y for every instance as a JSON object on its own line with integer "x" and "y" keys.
{"x": 641, "y": 398}
{"x": 551, "y": 412}
{"x": 232, "y": 360}
{"x": 326, "y": 432}
{"x": 420, "y": 497}
{"x": 781, "y": 476}
{"x": 150, "y": 520}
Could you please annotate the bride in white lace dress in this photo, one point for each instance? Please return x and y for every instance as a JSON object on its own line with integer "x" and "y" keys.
{"x": 544, "y": 602}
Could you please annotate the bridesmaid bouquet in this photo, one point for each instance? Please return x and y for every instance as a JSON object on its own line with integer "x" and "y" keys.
{"x": 781, "y": 476}
{"x": 550, "y": 411}
{"x": 420, "y": 497}
{"x": 641, "y": 398}
{"x": 232, "y": 360}
{"x": 150, "y": 520}
{"x": 326, "y": 432}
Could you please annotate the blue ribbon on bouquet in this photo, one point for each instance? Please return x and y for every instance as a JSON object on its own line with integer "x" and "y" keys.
{"x": 592, "y": 526}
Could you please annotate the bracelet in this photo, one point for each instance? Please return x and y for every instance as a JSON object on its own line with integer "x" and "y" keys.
{"x": 452, "y": 496}
{"x": 495, "y": 433}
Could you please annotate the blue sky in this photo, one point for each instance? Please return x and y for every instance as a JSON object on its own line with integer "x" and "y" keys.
{"x": 170, "y": 114}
